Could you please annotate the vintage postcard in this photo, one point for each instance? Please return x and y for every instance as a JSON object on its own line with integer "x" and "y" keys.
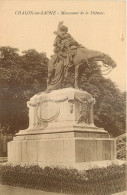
{"x": 63, "y": 96}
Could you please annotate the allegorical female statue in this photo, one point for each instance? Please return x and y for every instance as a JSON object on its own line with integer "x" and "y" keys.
{"x": 62, "y": 58}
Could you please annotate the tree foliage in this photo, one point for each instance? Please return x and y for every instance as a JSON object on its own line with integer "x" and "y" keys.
{"x": 110, "y": 106}
{"x": 20, "y": 78}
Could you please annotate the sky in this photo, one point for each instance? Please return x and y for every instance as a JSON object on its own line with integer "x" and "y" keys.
{"x": 104, "y": 32}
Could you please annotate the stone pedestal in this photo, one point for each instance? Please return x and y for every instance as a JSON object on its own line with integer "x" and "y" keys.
{"x": 61, "y": 130}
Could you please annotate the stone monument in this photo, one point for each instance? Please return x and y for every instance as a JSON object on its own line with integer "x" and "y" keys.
{"x": 61, "y": 125}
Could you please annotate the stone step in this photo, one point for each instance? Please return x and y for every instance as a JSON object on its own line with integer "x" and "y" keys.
{"x": 3, "y": 159}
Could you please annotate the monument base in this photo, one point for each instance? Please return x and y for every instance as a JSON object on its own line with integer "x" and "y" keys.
{"x": 61, "y": 130}
{"x": 67, "y": 146}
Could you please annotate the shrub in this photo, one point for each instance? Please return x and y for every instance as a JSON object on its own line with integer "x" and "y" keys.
{"x": 121, "y": 149}
{"x": 95, "y": 181}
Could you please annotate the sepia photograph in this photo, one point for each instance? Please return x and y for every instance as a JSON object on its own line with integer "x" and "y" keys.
{"x": 63, "y": 97}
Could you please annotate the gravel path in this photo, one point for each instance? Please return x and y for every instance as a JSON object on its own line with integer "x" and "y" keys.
{"x": 9, "y": 190}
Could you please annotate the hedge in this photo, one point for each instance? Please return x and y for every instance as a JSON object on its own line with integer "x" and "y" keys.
{"x": 96, "y": 181}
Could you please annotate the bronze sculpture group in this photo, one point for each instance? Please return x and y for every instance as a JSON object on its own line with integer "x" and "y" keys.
{"x": 67, "y": 54}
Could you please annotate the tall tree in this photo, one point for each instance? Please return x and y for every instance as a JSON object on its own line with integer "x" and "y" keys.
{"x": 20, "y": 78}
{"x": 110, "y": 106}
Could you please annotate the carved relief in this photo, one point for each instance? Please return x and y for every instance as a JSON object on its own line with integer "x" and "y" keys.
{"x": 84, "y": 112}
{"x": 86, "y": 106}
{"x": 47, "y": 111}
{"x": 71, "y": 108}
